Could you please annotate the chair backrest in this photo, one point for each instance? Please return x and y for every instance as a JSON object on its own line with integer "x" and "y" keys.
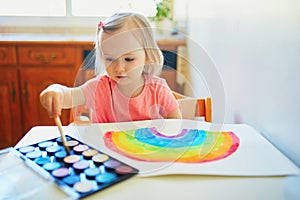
{"x": 192, "y": 108}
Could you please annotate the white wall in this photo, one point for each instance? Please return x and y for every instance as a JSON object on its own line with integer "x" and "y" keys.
{"x": 255, "y": 47}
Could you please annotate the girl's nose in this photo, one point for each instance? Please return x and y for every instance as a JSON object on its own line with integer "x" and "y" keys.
{"x": 119, "y": 66}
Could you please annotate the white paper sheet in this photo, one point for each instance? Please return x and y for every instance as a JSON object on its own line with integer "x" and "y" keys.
{"x": 255, "y": 156}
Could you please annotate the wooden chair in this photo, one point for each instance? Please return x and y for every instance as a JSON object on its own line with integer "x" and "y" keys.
{"x": 80, "y": 115}
{"x": 193, "y": 108}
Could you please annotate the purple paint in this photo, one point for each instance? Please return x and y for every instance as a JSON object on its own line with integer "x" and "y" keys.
{"x": 81, "y": 165}
{"x": 112, "y": 164}
{"x": 80, "y": 148}
{"x": 155, "y": 132}
{"x": 61, "y": 172}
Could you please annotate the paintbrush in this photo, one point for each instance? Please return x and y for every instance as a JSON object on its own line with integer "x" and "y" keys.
{"x": 63, "y": 138}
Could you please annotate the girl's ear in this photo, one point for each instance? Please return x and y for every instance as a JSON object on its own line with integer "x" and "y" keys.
{"x": 147, "y": 60}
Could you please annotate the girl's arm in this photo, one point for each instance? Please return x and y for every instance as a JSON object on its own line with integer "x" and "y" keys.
{"x": 56, "y": 97}
{"x": 175, "y": 114}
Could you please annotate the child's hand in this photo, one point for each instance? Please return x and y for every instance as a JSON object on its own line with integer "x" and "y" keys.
{"x": 52, "y": 102}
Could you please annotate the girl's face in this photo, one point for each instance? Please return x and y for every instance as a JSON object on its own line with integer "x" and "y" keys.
{"x": 126, "y": 68}
{"x": 124, "y": 57}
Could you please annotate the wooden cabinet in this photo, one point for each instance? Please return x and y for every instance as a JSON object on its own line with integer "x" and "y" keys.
{"x": 40, "y": 66}
{"x": 33, "y": 81}
{"x": 54, "y": 55}
{"x": 8, "y": 55}
{"x": 25, "y": 70}
{"x": 11, "y": 122}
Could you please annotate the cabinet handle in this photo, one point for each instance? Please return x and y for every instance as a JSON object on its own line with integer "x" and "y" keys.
{"x": 41, "y": 58}
{"x": 13, "y": 92}
{"x": 25, "y": 92}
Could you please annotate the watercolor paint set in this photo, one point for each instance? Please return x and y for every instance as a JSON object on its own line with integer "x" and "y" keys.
{"x": 81, "y": 172}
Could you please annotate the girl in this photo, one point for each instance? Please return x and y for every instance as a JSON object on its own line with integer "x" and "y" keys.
{"x": 129, "y": 90}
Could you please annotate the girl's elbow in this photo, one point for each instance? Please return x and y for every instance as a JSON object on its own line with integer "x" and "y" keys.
{"x": 175, "y": 114}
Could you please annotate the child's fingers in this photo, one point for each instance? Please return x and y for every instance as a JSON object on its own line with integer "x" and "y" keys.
{"x": 52, "y": 103}
{"x": 56, "y": 106}
{"x": 46, "y": 102}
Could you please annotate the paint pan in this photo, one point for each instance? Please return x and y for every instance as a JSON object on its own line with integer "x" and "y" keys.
{"x": 84, "y": 171}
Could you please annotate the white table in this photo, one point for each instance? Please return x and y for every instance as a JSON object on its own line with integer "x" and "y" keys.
{"x": 20, "y": 182}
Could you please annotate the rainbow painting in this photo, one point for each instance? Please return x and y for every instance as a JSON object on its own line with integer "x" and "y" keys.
{"x": 189, "y": 146}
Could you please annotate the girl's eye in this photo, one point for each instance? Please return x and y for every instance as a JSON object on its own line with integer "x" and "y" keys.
{"x": 129, "y": 59}
{"x": 109, "y": 59}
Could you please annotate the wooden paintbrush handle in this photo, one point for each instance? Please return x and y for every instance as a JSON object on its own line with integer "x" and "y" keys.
{"x": 59, "y": 125}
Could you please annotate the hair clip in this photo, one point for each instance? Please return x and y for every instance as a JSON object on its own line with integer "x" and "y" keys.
{"x": 100, "y": 25}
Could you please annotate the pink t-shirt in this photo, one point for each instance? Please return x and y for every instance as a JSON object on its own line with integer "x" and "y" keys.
{"x": 108, "y": 104}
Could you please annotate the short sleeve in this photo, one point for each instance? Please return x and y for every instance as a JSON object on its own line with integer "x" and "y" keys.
{"x": 89, "y": 89}
{"x": 167, "y": 99}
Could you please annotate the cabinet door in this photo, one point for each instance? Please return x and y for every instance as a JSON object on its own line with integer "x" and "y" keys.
{"x": 33, "y": 81}
{"x": 10, "y": 115}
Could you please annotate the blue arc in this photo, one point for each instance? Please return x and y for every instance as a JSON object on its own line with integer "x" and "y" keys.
{"x": 191, "y": 138}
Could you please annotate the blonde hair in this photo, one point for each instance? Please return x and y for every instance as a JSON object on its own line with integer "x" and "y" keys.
{"x": 144, "y": 35}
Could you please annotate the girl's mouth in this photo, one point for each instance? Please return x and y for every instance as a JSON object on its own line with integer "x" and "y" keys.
{"x": 121, "y": 77}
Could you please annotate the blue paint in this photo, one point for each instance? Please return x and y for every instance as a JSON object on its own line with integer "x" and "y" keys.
{"x": 106, "y": 178}
{"x": 26, "y": 149}
{"x": 42, "y": 160}
{"x": 191, "y": 138}
{"x": 51, "y": 166}
{"x": 52, "y": 149}
{"x": 91, "y": 173}
{"x": 71, "y": 180}
{"x": 44, "y": 145}
{"x": 34, "y": 154}
{"x": 60, "y": 155}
